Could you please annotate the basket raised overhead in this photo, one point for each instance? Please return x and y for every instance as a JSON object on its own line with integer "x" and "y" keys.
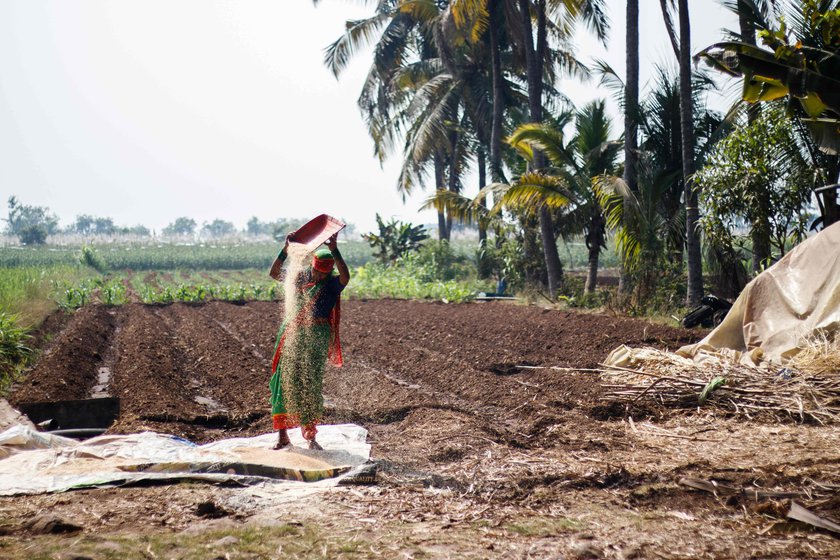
{"x": 316, "y": 231}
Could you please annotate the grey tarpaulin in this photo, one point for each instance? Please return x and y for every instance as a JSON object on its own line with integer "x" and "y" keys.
{"x": 34, "y": 462}
{"x": 784, "y": 307}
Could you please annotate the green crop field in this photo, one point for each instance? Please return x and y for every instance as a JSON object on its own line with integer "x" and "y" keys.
{"x": 36, "y": 280}
{"x": 167, "y": 256}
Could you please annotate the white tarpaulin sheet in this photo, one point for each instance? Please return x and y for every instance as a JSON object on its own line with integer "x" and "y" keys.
{"x": 32, "y": 462}
{"x": 785, "y": 307}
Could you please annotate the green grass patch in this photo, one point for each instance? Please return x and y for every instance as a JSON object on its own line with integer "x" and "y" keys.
{"x": 29, "y": 291}
{"x": 15, "y": 352}
{"x": 542, "y": 527}
{"x": 438, "y": 271}
{"x": 408, "y": 282}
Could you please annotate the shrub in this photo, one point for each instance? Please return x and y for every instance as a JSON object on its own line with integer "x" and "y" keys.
{"x": 14, "y": 352}
{"x": 439, "y": 261}
{"x": 35, "y": 234}
{"x": 89, "y": 257}
{"x": 395, "y": 239}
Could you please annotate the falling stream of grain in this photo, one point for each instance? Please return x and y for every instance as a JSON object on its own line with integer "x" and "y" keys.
{"x": 301, "y": 391}
{"x": 295, "y": 269}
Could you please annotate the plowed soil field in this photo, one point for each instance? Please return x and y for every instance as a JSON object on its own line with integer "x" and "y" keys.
{"x": 477, "y": 457}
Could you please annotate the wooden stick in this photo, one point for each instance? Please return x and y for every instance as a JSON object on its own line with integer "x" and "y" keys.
{"x": 643, "y": 393}
{"x": 680, "y": 436}
{"x": 644, "y": 373}
{"x": 468, "y": 436}
{"x": 558, "y": 368}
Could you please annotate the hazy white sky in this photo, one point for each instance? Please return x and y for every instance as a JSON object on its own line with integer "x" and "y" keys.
{"x": 144, "y": 111}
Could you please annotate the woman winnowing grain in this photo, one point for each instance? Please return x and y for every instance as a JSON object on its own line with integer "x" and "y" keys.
{"x": 308, "y": 337}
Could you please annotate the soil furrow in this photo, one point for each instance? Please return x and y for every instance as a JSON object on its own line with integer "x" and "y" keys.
{"x": 222, "y": 371}
{"x": 149, "y": 375}
{"x": 68, "y": 368}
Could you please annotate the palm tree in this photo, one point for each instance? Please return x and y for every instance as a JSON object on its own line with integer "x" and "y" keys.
{"x": 435, "y": 134}
{"x": 565, "y": 184}
{"x": 660, "y": 190}
{"x": 533, "y": 47}
{"x": 490, "y": 18}
{"x": 642, "y": 225}
{"x": 570, "y": 12}
{"x": 415, "y": 92}
{"x": 682, "y": 48}
{"x": 630, "y": 103}
{"x": 588, "y": 154}
{"x": 597, "y": 155}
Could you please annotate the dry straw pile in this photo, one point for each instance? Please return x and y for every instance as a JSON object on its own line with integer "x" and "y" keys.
{"x": 806, "y": 389}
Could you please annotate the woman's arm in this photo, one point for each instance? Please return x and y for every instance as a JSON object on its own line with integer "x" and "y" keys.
{"x": 277, "y": 265}
{"x": 343, "y": 271}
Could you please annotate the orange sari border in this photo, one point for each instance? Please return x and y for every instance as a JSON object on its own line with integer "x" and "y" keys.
{"x": 287, "y": 421}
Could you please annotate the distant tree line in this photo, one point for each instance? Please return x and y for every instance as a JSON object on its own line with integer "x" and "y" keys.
{"x": 32, "y": 225}
{"x": 86, "y": 224}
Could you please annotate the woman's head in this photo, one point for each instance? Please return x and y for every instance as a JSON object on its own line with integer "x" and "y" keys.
{"x": 322, "y": 264}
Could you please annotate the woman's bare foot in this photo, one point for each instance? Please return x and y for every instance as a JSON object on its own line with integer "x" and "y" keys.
{"x": 283, "y": 441}
{"x": 315, "y": 445}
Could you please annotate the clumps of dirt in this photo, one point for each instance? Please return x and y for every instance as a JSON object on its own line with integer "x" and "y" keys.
{"x": 608, "y": 411}
{"x": 48, "y": 524}
{"x": 211, "y": 510}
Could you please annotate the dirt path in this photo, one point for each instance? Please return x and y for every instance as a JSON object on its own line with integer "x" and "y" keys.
{"x": 478, "y": 458}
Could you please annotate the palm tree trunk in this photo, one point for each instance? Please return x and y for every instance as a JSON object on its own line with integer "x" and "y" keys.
{"x": 745, "y": 22}
{"x": 534, "y": 63}
{"x": 453, "y": 168}
{"x": 631, "y": 104}
{"x": 669, "y": 27}
{"x": 694, "y": 288}
{"x": 482, "y": 182}
{"x": 594, "y": 242}
{"x": 482, "y": 262}
{"x": 761, "y": 231}
{"x": 631, "y": 97}
{"x": 674, "y": 250}
{"x": 498, "y": 94}
{"x": 440, "y": 185}
{"x": 534, "y": 272}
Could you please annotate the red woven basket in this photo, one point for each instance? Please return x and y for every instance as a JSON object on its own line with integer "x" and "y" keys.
{"x": 316, "y": 231}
